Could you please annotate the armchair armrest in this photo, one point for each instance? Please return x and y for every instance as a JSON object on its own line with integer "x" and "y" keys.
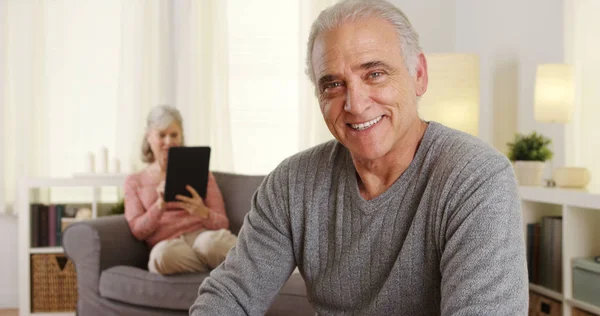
{"x": 99, "y": 244}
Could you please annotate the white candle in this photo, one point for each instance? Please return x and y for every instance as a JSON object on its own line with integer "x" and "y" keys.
{"x": 103, "y": 160}
{"x": 115, "y": 165}
{"x": 89, "y": 163}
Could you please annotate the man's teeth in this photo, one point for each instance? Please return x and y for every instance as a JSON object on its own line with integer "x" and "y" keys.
{"x": 362, "y": 126}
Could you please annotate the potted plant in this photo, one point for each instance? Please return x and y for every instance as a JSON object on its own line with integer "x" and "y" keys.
{"x": 118, "y": 208}
{"x": 529, "y": 154}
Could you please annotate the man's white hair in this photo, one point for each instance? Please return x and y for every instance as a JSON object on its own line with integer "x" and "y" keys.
{"x": 353, "y": 10}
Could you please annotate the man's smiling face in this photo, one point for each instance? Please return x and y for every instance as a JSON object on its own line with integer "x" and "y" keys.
{"x": 367, "y": 96}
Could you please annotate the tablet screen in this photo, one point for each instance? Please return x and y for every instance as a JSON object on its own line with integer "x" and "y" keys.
{"x": 186, "y": 166}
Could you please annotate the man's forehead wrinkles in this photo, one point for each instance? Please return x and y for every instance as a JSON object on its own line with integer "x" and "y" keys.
{"x": 367, "y": 55}
{"x": 325, "y": 64}
{"x": 330, "y": 51}
{"x": 334, "y": 53}
{"x": 329, "y": 56}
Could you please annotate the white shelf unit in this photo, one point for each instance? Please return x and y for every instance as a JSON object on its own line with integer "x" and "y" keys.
{"x": 580, "y": 211}
{"x": 28, "y": 192}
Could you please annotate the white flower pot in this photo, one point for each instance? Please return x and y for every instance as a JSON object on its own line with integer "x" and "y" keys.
{"x": 530, "y": 173}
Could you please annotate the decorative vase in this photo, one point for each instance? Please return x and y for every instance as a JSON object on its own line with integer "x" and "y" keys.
{"x": 571, "y": 177}
{"x": 529, "y": 173}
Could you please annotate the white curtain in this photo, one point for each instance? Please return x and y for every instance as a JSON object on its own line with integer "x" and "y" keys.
{"x": 23, "y": 105}
{"x": 313, "y": 129}
{"x": 142, "y": 77}
{"x": 199, "y": 35}
{"x": 80, "y": 75}
{"x": 263, "y": 78}
{"x": 175, "y": 61}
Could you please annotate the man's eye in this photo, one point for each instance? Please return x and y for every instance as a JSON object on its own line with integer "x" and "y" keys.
{"x": 332, "y": 85}
{"x": 376, "y": 74}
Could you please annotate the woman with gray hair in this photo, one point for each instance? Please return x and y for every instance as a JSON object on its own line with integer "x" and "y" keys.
{"x": 190, "y": 235}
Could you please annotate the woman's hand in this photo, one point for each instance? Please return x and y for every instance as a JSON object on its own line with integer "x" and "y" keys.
{"x": 194, "y": 205}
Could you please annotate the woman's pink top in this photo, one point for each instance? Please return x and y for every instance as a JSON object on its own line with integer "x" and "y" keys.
{"x": 149, "y": 224}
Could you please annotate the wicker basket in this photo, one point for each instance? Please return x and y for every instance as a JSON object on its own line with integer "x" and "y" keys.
{"x": 53, "y": 283}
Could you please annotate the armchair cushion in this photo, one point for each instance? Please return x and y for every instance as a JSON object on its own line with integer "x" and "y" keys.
{"x": 139, "y": 287}
{"x": 237, "y": 193}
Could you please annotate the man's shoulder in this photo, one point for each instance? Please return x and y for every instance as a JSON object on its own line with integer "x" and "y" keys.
{"x": 323, "y": 154}
{"x": 459, "y": 151}
{"x": 463, "y": 166}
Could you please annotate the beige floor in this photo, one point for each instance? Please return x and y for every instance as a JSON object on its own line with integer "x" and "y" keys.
{"x": 8, "y": 312}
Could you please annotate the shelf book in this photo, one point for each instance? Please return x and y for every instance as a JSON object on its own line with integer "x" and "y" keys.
{"x": 48, "y": 221}
{"x": 45, "y": 207}
{"x": 544, "y": 252}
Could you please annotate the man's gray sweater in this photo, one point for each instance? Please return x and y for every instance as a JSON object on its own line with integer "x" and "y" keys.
{"x": 445, "y": 239}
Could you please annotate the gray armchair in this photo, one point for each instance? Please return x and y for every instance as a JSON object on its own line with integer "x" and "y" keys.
{"x": 113, "y": 278}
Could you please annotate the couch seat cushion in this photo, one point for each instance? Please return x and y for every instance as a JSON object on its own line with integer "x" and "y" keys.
{"x": 140, "y": 287}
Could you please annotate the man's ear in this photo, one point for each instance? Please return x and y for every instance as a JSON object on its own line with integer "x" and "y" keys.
{"x": 421, "y": 76}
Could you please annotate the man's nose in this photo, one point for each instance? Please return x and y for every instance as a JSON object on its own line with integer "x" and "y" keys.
{"x": 357, "y": 98}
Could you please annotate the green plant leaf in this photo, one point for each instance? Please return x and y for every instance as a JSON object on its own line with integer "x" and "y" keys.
{"x": 532, "y": 147}
{"x": 118, "y": 208}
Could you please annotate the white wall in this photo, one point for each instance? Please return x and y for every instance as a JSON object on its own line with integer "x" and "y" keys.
{"x": 512, "y": 43}
{"x": 482, "y": 31}
{"x": 510, "y": 37}
{"x": 434, "y": 21}
{"x": 472, "y": 26}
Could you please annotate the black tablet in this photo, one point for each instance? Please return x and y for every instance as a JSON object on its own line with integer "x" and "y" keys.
{"x": 187, "y": 166}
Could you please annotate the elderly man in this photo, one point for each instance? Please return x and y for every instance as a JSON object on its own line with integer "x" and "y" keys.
{"x": 397, "y": 216}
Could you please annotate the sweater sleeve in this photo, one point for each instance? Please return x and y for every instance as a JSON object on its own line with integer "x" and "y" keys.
{"x": 142, "y": 222}
{"x": 260, "y": 263}
{"x": 483, "y": 263}
{"x": 214, "y": 202}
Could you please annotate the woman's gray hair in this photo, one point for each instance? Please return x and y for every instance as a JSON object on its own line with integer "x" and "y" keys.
{"x": 159, "y": 117}
{"x": 354, "y": 10}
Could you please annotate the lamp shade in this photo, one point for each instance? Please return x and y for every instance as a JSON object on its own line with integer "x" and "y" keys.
{"x": 452, "y": 96}
{"x": 554, "y": 93}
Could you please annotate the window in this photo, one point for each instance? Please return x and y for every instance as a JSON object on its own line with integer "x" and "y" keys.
{"x": 83, "y": 75}
{"x": 264, "y": 74}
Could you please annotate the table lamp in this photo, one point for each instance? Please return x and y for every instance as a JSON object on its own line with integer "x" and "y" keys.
{"x": 554, "y": 93}
{"x": 554, "y": 103}
{"x": 452, "y": 96}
